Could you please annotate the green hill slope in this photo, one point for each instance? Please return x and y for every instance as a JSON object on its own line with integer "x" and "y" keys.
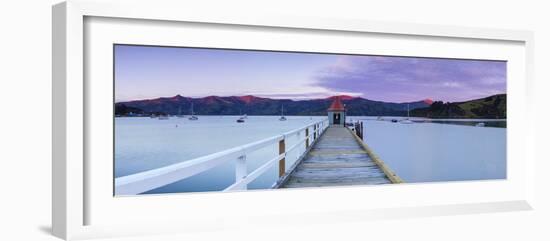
{"x": 492, "y": 107}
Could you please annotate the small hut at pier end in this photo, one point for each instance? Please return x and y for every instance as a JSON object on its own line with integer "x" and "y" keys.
{"x": 336, "y": 112}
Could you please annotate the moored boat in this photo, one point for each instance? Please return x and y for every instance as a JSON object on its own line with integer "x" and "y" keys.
{"x": 282, "y": 118}
{"x": 407, "y": 120}
{"x": 193, "y": 117}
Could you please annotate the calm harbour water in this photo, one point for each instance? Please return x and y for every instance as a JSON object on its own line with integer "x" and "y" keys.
{"x": 419, "y": 152}
{"x": 143, "y": 143}
{"x": 440, "y": 151}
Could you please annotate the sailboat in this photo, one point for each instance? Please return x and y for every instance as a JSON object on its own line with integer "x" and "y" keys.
{"x": 407, "y": 120}
{"x": 241, "y": 118}
{"x": 179, "y": 113}
{"x": 193, "y": 117}
{"x": 283, "y": 118}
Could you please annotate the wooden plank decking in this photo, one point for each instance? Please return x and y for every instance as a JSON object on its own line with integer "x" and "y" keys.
{"x": 336, "y": 159}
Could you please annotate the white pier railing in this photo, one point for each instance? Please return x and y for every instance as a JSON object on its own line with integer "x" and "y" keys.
{"x": 149, "y": 180}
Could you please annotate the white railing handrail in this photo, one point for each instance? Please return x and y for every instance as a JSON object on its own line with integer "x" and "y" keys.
{"x": 238, "y": 185}
{"x": 151, "y": 179}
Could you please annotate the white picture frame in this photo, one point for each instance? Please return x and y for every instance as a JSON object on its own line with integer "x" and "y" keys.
{"x": 73, "y": 188}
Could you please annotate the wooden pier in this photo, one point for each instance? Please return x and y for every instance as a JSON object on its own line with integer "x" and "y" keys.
{"x": 338, "y": 158}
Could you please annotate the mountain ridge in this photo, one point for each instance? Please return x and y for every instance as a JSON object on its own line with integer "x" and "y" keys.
{"x": 490, "y": 107}
{"x": 254, "y": 105}
{"x": 355, "y": 106}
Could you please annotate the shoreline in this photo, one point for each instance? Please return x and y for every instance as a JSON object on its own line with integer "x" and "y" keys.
{"x": 350, "y": 117}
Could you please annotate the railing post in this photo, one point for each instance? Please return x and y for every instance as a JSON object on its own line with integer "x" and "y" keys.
{"x": 314, "y": 132}
{"x": 307, "y": 137}
{"x": 282, "y": 150}
{"x": 240, "y": 171}
{"x": 319, "y": 129}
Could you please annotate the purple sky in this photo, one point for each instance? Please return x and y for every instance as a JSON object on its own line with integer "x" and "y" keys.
{"x": 149, "y": 72}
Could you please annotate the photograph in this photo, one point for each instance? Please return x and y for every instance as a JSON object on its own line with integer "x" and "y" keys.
{"x": 193, "y": 119}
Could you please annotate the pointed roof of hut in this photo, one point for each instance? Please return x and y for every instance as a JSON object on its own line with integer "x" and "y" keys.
{"x": 336, "y": 104}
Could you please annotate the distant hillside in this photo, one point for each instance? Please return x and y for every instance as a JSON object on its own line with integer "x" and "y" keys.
{"x": 492, "y": 107}
{"x": 253, "y": 105}
{"x": 123, "y": 110}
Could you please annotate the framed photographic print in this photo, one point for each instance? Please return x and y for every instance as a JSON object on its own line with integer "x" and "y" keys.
{"x": 188, "y": 120}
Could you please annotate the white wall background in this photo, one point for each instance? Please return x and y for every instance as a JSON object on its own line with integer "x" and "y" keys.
{"x": 25, "y": 93}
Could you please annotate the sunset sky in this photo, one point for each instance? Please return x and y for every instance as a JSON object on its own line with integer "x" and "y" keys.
{"x": 143, "y": 72}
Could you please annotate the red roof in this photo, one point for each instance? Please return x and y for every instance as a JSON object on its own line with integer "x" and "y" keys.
{"x": 336, "y": 105}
